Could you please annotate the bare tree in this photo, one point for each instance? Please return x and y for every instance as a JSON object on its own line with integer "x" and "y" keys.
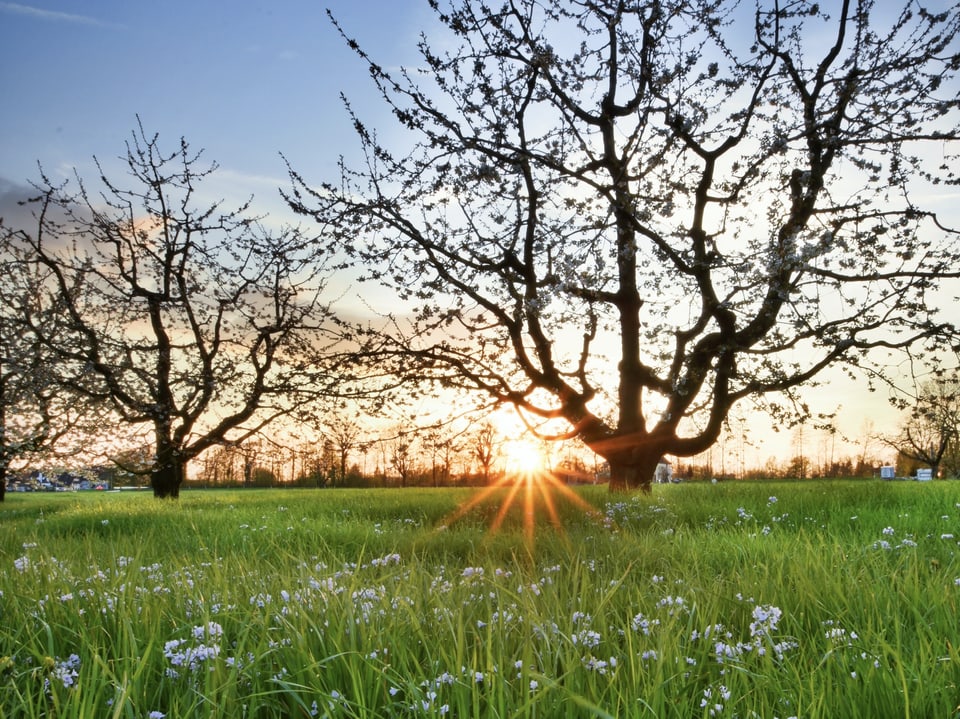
{"x": 181, "y": 316}
{"x": 486, "y": 449}
{"x": 318, "y": 464}
{"x": 401, "y": 457}
{"x": 931, "y": 431}
{"x": 343, "y": 434}
{"x": 630, "y": 216}
{"x": 220, "y": 465}
{"x": 864, "y": 464}
{"x": 444, "y": 442}
{"x": 441, "y": 442}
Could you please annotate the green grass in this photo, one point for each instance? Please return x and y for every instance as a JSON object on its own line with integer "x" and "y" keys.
{"x": 813, "y": 599}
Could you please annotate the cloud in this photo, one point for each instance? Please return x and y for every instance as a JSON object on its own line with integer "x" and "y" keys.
{"x": 14, "y": 214}
{"x": 54, "y": 16}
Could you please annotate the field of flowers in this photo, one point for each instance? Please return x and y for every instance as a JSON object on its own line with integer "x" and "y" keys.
{"x": 813, "y": 599}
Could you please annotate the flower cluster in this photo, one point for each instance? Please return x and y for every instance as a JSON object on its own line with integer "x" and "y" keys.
{"x": 195, "y": 653}
{"x": 63, "y": 672}
{"x": 906, "y": 542}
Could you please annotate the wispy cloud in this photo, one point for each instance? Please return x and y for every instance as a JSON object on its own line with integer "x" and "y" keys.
{"x": 13, "y": 213}
{"x": 54, "y": 16}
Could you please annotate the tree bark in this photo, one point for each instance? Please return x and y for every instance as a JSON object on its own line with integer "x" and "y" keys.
{"x": 168, "y": 473}
{"x": 634, "y": 470}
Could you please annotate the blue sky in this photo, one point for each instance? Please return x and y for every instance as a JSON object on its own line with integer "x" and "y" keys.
{"x": 243, "y": 80}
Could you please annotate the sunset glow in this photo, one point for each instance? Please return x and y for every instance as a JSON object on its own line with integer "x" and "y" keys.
{"x": 524, "y": 457}
{"x": 533, "y": 490}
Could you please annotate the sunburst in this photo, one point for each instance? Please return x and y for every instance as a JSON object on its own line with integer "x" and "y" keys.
{"x": 531, "y": 488}
{"x": 524, "y": 457}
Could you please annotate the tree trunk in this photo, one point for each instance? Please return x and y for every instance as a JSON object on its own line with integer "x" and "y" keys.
{"x": 168, "y": 472}
{"x": 3, "y": 479}
{"x": 633, "y": 471}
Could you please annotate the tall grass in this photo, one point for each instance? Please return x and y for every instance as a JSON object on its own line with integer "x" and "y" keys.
{"x": 815, "y": 599}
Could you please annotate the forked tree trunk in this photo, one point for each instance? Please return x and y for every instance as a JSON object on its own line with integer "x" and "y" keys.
{"x": 168, "y": 473}
{"x": 633, "y": 471}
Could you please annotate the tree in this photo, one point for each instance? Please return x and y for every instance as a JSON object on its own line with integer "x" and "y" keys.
{"x": 486, "y": 449}
{"x": 440, "y": 442}
{"x": 865, "y": 466}
{"x": 343, "y": 435}
{"x": 186, "y": 318}
{"x": 401, "y": 458}
{"x": 931, "y": 432}
{"x": 630, "y": 216}
{"x": 36, "y": 416}
{"x": 950, "y": 462}
{"x": 220, "y": 465}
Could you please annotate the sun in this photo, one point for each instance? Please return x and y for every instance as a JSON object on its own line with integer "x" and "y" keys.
{"x": 527, "y": 482}
{"x": 524, "y": 457}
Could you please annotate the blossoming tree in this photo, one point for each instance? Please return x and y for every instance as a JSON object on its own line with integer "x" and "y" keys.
{"x": 630, "y": 216}
{"x": 38, "y": 416}
{"x": 189, "y": 321}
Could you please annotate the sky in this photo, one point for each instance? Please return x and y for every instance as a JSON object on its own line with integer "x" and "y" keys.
{"x": 244, "y": 80}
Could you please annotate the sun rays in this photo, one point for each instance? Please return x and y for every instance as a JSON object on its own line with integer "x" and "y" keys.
{"x": 533, "y": 490}
{"x": 524, "y": 457}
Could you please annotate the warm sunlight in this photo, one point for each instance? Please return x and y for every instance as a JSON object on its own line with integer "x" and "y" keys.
{"x": 528, "y": 485}
{"x": 524, "y": 457}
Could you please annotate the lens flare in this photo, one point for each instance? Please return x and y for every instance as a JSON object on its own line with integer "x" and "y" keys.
{"x": 524, "y": 457}
{"x": 532, "y": 488}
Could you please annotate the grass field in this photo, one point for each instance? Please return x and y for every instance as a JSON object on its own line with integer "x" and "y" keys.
{"x": 813, "y": 599}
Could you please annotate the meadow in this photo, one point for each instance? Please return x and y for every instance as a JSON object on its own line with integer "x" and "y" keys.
{"x": 789, "y": 599}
